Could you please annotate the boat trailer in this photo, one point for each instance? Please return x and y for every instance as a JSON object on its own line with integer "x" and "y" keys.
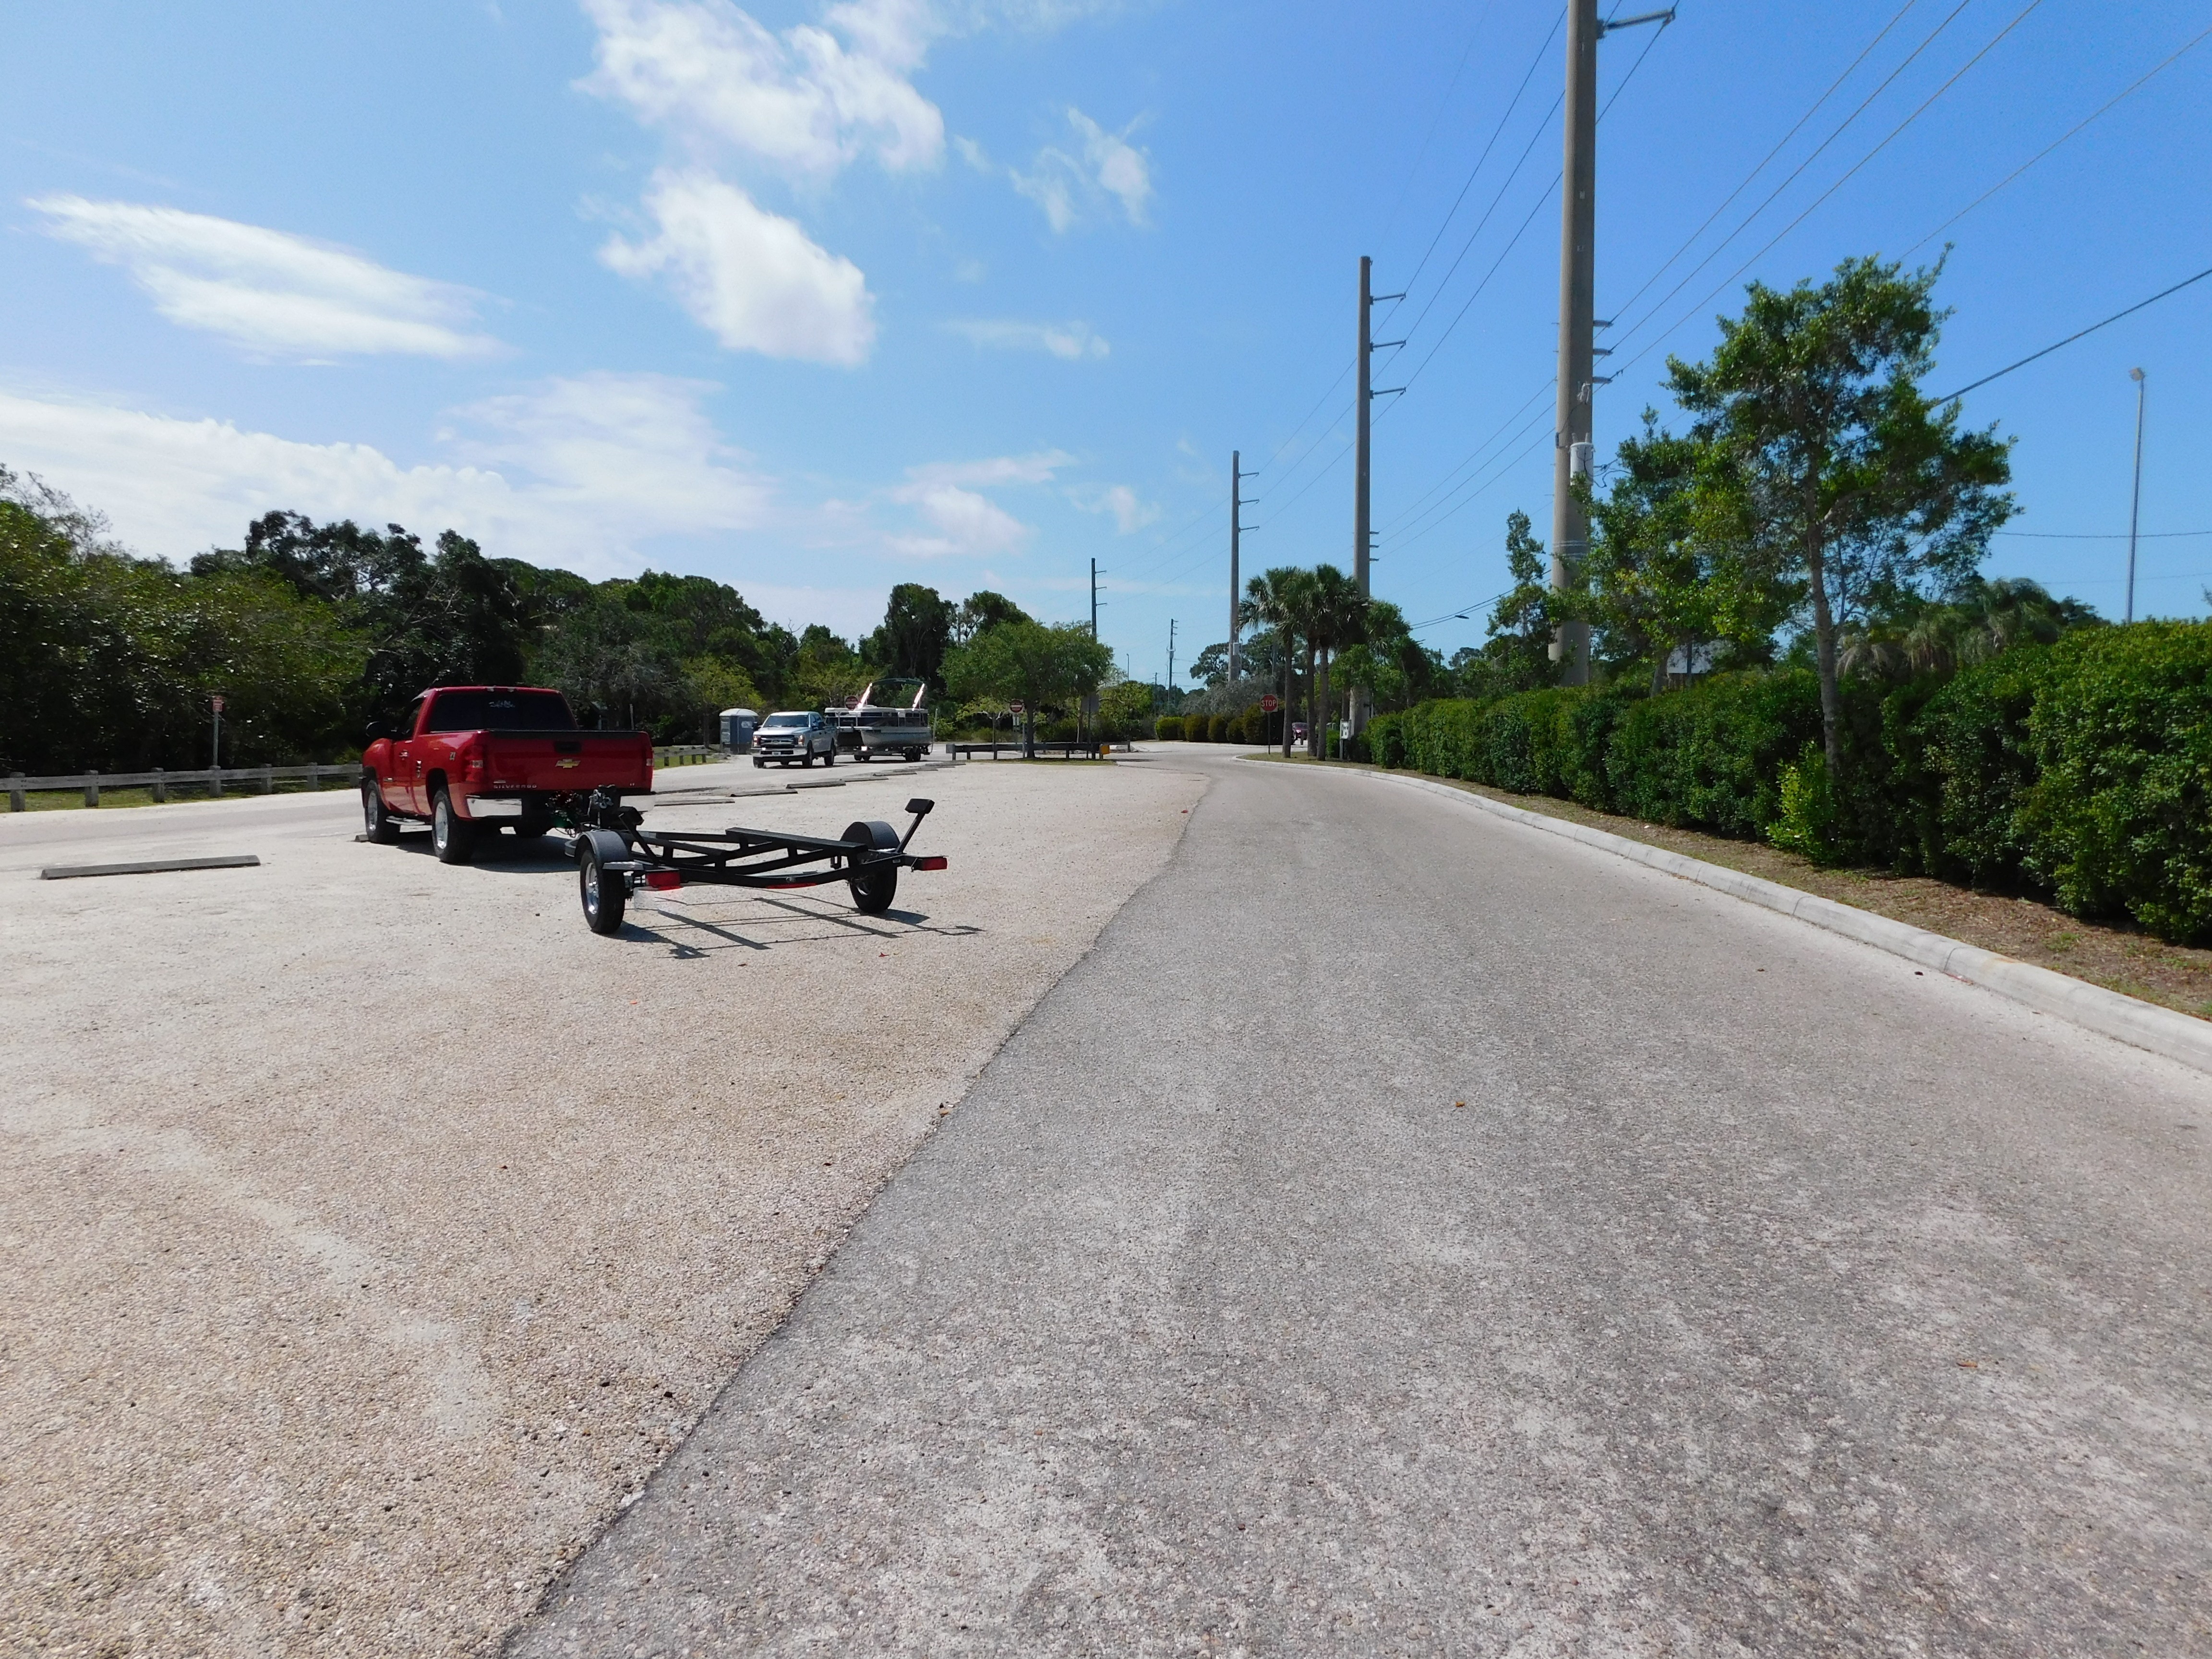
{"x": 616, "y": 856}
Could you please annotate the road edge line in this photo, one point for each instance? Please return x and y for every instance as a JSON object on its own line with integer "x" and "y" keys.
{"x": 2125, "y": 1018}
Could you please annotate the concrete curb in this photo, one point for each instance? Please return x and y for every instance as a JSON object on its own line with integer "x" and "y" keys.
{"x": 2125, "y": 1019}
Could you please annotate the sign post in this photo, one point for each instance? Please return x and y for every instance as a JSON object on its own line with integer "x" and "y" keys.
{"x": 217, "y": 758}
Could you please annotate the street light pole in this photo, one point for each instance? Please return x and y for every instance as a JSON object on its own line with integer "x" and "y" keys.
{"x": 2135, "y": 505}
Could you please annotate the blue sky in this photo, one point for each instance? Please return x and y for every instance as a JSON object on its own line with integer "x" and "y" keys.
{"x": 816, "y": 299}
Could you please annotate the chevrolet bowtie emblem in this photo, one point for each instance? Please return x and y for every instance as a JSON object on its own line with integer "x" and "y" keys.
{"x": 568, "y": 763}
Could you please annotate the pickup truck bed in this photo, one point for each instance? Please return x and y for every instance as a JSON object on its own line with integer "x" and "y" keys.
{"x": 467, "y": 778}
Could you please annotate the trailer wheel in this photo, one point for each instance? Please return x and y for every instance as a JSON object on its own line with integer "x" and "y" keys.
{"x": 873, "y": 893}
{"x": 605, "y": 893}
{"x": 383, "y": 828}
{"x": 450, "y": 836}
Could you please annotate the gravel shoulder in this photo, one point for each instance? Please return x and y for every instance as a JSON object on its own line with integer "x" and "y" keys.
{"x": 373, "y": 1229}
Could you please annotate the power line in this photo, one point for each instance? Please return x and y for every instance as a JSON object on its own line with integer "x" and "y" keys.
{"x": 1796, "y": 128}
{"x": 1798, "y": 172}
{"x": 1471, "y": 496}
{"x": 1539, "y": 205}
{"x": 1466, "y": 246}
{"x": 1413, "y": 508}
{"x": 1622, "y": 306}
{"x": 2077, "y": 335}
{"x": 1496, "y": 132}
{"x": 2099, "y": 535}
{"x": 1463, "y": 612}
{"x": 1437, "y": 120}
{"x": 1814, "y": 206}
{"x": 2126, "y": 92}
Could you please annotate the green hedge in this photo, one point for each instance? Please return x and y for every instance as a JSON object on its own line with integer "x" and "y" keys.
{"x": 1168, "y": 728}
{"x": 2082, "y": 769}
{"x": 2119, "y": 817}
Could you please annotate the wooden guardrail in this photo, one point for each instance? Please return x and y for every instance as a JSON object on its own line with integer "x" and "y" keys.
{"x": 688, "y": 754}
{"x": 160, "y": 781}
{"x": 1013, "y": 748}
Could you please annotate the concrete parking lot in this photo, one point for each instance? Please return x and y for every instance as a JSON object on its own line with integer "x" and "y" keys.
{"x": 373, "y": 1229}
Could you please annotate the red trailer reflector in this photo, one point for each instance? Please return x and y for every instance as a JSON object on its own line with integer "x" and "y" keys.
{"x": 662, "y": 880}
{"x": 929, "y": 864}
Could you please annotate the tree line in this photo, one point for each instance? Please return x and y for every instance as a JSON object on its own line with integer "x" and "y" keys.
{"x": 309, "y": 631}
{"x": 1818, "y": 507}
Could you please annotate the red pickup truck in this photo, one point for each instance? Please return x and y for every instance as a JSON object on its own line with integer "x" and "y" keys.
{"x": 468, "y": 758}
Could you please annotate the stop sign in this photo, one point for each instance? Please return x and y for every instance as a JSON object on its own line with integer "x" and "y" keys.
{"x": 1270, "y": 704}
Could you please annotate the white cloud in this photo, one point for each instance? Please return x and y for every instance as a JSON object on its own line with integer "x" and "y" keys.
{"x": 1130, "y": 514}
{"x": 961, "y": 521}
{"x": 999, "y": 470}
{"x": 1118, "y": 166}
{"x": 1070, "y": 341}
{"x": 269, "y": 291}
{"x": 756, "y": 280}
{"x": 964, "y": 522}
{"x": 803, "y": 102}
{"x": 1063, "y": 184}
{"x": 577, "y": 473}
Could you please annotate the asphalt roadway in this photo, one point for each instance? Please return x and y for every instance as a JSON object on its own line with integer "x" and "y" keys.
{"x": 1408, "y": 1232}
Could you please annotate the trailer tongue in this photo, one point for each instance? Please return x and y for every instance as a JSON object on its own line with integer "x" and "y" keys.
{"x": 615, "y": 854}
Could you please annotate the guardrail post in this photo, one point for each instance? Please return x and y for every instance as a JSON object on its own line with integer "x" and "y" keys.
{"x": 160, "y": 787}
{"x": 214, "y": 781}
{"x": 15, "y": 801}
{"x": 268, "y": 779}
{"x": 92, "y": 789}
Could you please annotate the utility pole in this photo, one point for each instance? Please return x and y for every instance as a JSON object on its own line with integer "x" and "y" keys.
{"x": 1578, "y": 384}
{"x": 1362, "y": 539}
{"x": 1094, "y": 599}
{"x": 1237, "y": 505}
{"x": 2135, "y": 506}
{"x": 1171, "y": 653}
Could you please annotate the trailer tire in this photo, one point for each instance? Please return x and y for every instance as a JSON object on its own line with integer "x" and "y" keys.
{"x": 383, "y": 828}
{"x": 873, "y": 892}
{"x": 452, "y": 836}
{"x": 604, "y": 893}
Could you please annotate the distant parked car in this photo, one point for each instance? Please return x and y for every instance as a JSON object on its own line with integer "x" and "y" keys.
{"x": 795, "y": 734}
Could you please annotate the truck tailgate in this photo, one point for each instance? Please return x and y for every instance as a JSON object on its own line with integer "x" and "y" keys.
{"x": 568, "y": 761}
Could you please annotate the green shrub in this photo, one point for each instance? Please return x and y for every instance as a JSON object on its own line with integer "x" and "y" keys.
{"x": 1967, "y": 763}
{"x": 1217, "y": 728}
{"x": 1386, "y": 738}
{"x": 1710, "y": 756}
{"x": 1805, "y": 817}
{"x": 2116, "y": 820}
{"x": 1168, "y": 728}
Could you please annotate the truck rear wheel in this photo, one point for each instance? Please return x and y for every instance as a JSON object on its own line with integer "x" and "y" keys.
{"x": 383, "y": 828}
{"x": 873, "y": 893}
{"x": 605, "y": 893}
{"x": 452, "y": 837}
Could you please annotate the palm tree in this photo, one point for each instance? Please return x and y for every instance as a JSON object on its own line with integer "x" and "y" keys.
{"x": 1271, "y": 600}
{"x": 1337, "y": 616}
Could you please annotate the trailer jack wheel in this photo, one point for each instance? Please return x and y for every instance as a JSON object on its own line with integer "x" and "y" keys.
{"x": 873, "y": 893}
